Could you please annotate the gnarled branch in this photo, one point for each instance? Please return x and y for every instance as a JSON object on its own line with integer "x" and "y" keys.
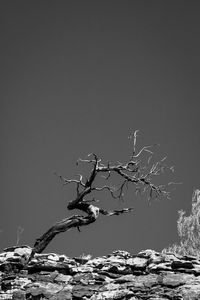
{"x": 136, "y": 171}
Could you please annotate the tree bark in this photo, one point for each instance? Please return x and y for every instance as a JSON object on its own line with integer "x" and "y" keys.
{"x": 66, "y": 224}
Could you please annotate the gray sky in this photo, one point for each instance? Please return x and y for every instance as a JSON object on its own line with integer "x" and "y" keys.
{"x": 77, "y": 77}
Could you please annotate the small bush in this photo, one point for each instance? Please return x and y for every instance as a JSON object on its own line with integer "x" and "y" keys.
{"x": 188, "y": 230}
{"x": 86, "y": 256}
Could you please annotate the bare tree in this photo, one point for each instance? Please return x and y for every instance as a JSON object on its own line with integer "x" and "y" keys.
{"x": 20, "y": 230}
{"x": 139, "y": 171}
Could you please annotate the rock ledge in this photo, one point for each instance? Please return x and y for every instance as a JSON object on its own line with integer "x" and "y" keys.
{"x": 120, "y": 275}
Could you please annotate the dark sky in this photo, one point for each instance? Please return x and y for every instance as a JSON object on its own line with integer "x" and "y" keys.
{"x": 77, "y": 77}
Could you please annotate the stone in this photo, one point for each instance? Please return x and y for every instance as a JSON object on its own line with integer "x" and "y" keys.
{"x": 63, "y": 278}
{"x": 120, "y": 275}
{"x": 137, "y": 262}
{"x": 177, "y": 264}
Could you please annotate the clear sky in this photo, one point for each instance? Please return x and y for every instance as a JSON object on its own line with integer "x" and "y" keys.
{"x": 77, "y": 77}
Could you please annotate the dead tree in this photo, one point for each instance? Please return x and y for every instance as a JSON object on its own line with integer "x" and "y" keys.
{"x": 137, "y": 171}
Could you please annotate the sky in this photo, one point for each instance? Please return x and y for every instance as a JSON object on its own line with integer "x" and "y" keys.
{"x": 77, "y": 77}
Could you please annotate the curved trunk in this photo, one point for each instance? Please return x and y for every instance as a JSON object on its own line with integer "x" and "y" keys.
{"x": 66, "y": 224}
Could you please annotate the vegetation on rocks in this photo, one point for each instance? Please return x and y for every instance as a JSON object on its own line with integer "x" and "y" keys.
{"x": 188, "y": 230}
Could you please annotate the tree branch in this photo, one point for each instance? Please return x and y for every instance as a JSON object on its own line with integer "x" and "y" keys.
{"x": 136, "y": 171}
{"x": 115, "y": 212}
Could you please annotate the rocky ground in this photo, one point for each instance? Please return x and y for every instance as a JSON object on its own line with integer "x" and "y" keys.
{"x": 120, "y": 275}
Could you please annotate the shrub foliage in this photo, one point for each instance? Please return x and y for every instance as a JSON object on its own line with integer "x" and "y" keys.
{"x": 188, "y": 230}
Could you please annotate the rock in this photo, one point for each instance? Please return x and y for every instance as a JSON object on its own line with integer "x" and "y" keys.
{"x": 137, "y": 263}
{"x": 120, "y": 275}
{"x": 177, "y": 264}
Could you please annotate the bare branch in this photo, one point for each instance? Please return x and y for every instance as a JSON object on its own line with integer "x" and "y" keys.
{"x": 133, "y": 138}
{"x": 120, "y": 196}
{"x": 138, "y": 171}
{"x": 111, "y": 189}
{"x": 67, "y": 181}
{"x": 146, "y": 148}
{"x": 115, "y": 212}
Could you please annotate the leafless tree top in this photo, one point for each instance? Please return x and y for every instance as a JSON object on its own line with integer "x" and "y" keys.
{"x": 139, "y": 171}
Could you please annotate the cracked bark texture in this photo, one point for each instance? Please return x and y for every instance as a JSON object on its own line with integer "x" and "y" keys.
{"x": 119, "y": 275}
